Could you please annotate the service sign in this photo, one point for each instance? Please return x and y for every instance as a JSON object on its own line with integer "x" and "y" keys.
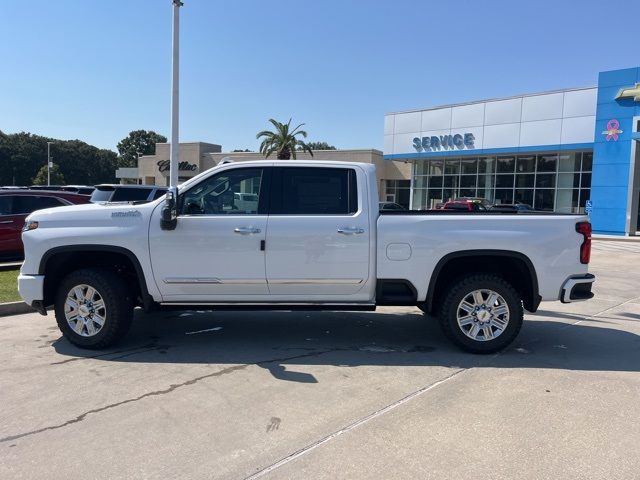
{"x": 433, "y": 143}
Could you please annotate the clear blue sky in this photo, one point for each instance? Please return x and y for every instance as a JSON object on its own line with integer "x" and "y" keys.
{"x": 96, "y": 69}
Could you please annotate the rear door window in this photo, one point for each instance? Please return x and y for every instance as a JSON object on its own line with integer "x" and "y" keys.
{"x": 316, "y": 191}
{"x": 5, "y": 204}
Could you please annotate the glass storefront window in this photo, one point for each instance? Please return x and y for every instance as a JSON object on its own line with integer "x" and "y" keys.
{"x": 469, "y": 166}
{"x": 567, "y": 201}
{"x": 486, "y": 165}
{"x": 419, "y": 199}
{"x": 433, "y": 197}
{"x": 421, "y": 168}
{"x": 526, "y": 164}
{"x": 544, "y": 199}
{"x": 420, "y": 182}
{"x": 545, "y": 181}
{"x": 569, "y": 180}
{"x": 524, "y": 195}
{"x": 436, "y": 167}
{"x": 468, "y": 181}
{"x": 452, "y": 166}
{"x": 569, "y": 162}
{"x": 504, "y": 181}
{"x": 547, "y": 163}
{"x": 504, "y": 195}
{"x": 506, "y": 164}
{"x": 449, "y": 194}
{"x": 435, "y": 182}
{"x": 525, "y": 180}
{"x": 451, "y": 181}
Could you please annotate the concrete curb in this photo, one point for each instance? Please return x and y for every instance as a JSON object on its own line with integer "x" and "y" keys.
{"x": 615, "y": 238}
{"x": 14, "y": 308}
{"x": 10, "y": 266}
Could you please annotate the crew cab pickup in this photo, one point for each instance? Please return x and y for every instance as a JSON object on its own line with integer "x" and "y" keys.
{"x": 298, "y": 235}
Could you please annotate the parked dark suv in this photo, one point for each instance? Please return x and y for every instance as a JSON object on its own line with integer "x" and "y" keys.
{"x": 126, "y": 193}
{"x": 16, "y": 204}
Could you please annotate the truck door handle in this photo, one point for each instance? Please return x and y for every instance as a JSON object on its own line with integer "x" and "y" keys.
{"x": 246, "y": 230}
{"x": 351, "y": 231}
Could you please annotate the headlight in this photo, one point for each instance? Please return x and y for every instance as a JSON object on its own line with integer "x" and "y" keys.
{"x": 30, "y": 225}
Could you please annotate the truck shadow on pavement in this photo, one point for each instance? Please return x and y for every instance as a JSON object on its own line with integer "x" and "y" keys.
{"x": 284, "y": 342}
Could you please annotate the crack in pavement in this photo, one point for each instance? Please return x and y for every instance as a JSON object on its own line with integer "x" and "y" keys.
{"x": 164, "y": 391}
{"x": 141, "y": 349}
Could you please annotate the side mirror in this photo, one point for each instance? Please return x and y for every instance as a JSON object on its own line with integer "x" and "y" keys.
{"x": 169, "y": 216}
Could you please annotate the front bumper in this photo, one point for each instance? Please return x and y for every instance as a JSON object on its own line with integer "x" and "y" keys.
{"x": 577, "y": 288}
{"x": 31, "y": 288}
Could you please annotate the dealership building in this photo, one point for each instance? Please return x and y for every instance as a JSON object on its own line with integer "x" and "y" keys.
{"x": 196, "y": 157}
{"x": 573, "y": 150}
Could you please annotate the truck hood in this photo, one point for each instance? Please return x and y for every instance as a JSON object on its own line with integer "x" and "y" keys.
{"x": 93, "y": 214}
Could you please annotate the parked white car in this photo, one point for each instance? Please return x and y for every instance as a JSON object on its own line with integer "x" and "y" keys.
{"x": 313, "y": 239}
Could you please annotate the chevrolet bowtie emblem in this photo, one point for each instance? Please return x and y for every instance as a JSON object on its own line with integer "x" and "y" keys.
{"x": 632, "y": 92}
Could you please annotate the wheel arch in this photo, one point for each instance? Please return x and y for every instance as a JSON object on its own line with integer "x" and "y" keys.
{"x": 514, "y": 266}
{"x": 60, "y": 261}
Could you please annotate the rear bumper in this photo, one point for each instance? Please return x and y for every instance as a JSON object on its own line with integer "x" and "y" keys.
{"x": 31, "y": 288}
{"x": 577, "y": 288}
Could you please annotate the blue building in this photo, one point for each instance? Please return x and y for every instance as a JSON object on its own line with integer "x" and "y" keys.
{"x": 572, "y": 150}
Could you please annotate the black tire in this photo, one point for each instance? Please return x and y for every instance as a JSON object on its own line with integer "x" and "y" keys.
{"x": 461, "y": 288}
{"x": 118, "y": 306}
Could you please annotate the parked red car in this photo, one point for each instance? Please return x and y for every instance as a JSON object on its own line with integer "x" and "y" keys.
{"x": 16, "y": 204}
{"x": 464, "y": 206}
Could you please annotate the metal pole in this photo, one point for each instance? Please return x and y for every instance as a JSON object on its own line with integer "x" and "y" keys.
{"x": 175, "y": 67}
{"x": 49, "y": 163}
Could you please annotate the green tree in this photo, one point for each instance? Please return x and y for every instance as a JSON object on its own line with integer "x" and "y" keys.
{"x": 141, "y": 141}
{"x": 283, "y": 142}
{"x": 56, "y": 177}
{"x": 320, "y": 146}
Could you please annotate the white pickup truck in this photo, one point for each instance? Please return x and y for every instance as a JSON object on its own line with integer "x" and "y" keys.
{"x": 298, "y": 235}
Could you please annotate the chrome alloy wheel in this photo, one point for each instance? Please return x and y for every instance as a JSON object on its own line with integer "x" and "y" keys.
{"x": 483, "y": 315}
{"x": 84, "y": 310}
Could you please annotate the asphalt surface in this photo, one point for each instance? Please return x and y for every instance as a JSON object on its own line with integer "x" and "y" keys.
{"x": 331, "y": 395}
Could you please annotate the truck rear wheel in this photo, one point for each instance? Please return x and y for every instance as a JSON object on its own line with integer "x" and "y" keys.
{"x": 93, "y": 308}
{"x": 481, "y": 313}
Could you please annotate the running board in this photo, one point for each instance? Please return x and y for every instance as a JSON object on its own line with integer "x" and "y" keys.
{"x": 269, "y": 306}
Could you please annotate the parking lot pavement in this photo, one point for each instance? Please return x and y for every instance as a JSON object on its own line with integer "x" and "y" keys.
{"x": 331, "y": 395}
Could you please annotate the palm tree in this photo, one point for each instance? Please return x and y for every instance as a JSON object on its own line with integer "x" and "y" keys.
{"x": 283, "y": 141}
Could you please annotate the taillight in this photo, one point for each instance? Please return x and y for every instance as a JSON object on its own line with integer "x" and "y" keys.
{"x": 585, "y": 249}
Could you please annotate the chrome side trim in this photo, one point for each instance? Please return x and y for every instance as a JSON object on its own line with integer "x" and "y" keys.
{"x": 260, "y": 281}
{"x": 214, "y": 280}
{"x": 315, "y": 281}
{"x": 192, "y": 280}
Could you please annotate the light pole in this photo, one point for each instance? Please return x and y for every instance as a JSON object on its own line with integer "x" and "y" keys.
{"x": 175, "y": 66}
{"x": 138, "y": 166}
{"x": 49, "y": 163}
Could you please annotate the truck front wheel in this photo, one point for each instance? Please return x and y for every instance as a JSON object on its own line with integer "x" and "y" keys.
{"x": 481, "y": 313}
{"x": 93, "y": 308}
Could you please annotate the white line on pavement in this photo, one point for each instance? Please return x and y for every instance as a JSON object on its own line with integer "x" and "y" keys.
{"x": 353, "y": 425}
